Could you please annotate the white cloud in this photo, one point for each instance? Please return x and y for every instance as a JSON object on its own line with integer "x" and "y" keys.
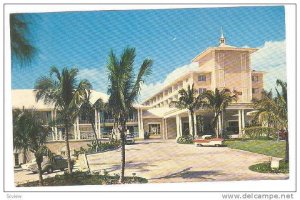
{"x": 271, "y": 58}
{"x": 148, "y": 90}
{"x": 97, "y": 76}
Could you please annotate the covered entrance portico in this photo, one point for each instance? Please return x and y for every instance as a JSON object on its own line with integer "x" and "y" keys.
{"x": 232, "y": 122}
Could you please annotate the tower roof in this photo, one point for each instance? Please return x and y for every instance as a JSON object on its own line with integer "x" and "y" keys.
{"x": 222, "y": 40}
{"x": 222, "y": 46}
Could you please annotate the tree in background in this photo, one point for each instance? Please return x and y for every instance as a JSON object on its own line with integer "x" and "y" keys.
{"x": 87, "y": 110}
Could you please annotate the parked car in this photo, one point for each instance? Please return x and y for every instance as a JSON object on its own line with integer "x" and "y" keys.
{"x": 207, "y": 140}
{"x": 130, "y": 138}
{"x": 49, "y": 165}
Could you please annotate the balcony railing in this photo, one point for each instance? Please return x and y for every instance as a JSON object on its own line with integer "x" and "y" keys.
{"x": 113, "y": 120}
{"x": 87, "y": 136}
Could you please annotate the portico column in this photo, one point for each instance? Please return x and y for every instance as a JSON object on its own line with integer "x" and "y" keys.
{"x": 240, "y": 122}
{"x": 139, "y": 120}
{"x": 177, "y": 126}
{"x": 78, "y": 130}
{"x": 180, "y": 126}
{"x": 190, "y": 123}
{"x": 243, "y": 120}
{"x": 52, "y": 128}
{"x": 75, "y": 130}
{"x": 55, "y": 127}
{"x": 140, "y": 124}
{"x": 162, "y": 128}
{"x": 60, "y": 135}
{"x": 96, "y": 122}
{"x": 99, "y": 125}
{"x": 166, "y": 125}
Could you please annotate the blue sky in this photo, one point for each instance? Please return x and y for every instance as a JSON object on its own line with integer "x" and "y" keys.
{"x": 170, "y": 37}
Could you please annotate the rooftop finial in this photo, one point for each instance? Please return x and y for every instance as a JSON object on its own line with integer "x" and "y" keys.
{"x": 222, "y": 38}
{"x": 222, "y": 35}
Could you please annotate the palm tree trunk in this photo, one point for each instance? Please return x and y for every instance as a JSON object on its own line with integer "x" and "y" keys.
{"x": 94, "y": 130}
{"x": 287, "y": 147}
{"x": 39, "y": 164}
{"x": 122, "y": 152}
{"x": 68, "y": 149}
{"x": 193, "y": 121}
{"x": 24, "y": 156}
{"x": 216, "y": 124}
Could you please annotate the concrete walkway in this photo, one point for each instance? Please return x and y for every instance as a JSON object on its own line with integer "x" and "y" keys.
{"x": 166, "y": 161}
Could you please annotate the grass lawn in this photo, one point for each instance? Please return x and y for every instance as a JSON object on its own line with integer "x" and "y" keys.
{"x": 266, "y": 167}
{"x": 266, "y": 147}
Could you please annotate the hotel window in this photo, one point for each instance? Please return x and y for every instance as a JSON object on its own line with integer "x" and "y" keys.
{"x": 201, "y": 90}
{"x": 255, "y": 78}
{"x": 255, "y": 90}
{"x": 201, "y": 78}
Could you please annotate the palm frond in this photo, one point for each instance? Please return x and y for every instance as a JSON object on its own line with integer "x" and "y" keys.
{"x": 21, "y": 45}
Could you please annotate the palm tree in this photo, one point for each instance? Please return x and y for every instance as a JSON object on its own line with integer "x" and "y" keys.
{"x": 29, "y": 132}
{"x": 218, "y": 101}
{"x": 19, "y": 143}
{"x": 282, "y": 113}
{"x": 66, "y": 94}
{"x": 124, "y": 89}
{"x": 87, "y": 110}
{"x": 22, "y": 48}
{"x": 274, "y": 109}
{"x": 188, "y": 99}
{"x": 263, "y": 105}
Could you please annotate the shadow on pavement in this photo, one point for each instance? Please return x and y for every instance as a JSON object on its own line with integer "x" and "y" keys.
{"x": 187, "y": 174}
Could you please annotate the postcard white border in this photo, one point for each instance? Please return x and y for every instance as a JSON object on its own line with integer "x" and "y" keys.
{"x": 263, "y": 185}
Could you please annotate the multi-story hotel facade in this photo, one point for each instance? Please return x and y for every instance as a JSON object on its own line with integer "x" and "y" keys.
{"x": 219, "y": 67}
{"x": 223, "y": 66}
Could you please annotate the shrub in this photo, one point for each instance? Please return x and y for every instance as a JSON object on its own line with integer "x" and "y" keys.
{"x": 84, "y": 178}
{"x": 186, "y": 139}
{"x": 93, "y": 148}
{"x": 266, "y": 167}
{"x": 258, "y": 132}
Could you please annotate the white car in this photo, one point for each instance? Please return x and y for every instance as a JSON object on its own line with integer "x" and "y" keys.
{"x": 207, "y": 140}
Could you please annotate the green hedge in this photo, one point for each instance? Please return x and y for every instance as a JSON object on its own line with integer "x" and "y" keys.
{"x": 84, "y": 178}
{"x": 186, "y": 139}
{"x": 93, "y": 148}
{"x": 258, "y": 132}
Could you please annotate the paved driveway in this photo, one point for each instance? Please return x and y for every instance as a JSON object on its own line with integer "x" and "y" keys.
{"x": 23, "y": 176}
{"x": 166, "y": 161}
